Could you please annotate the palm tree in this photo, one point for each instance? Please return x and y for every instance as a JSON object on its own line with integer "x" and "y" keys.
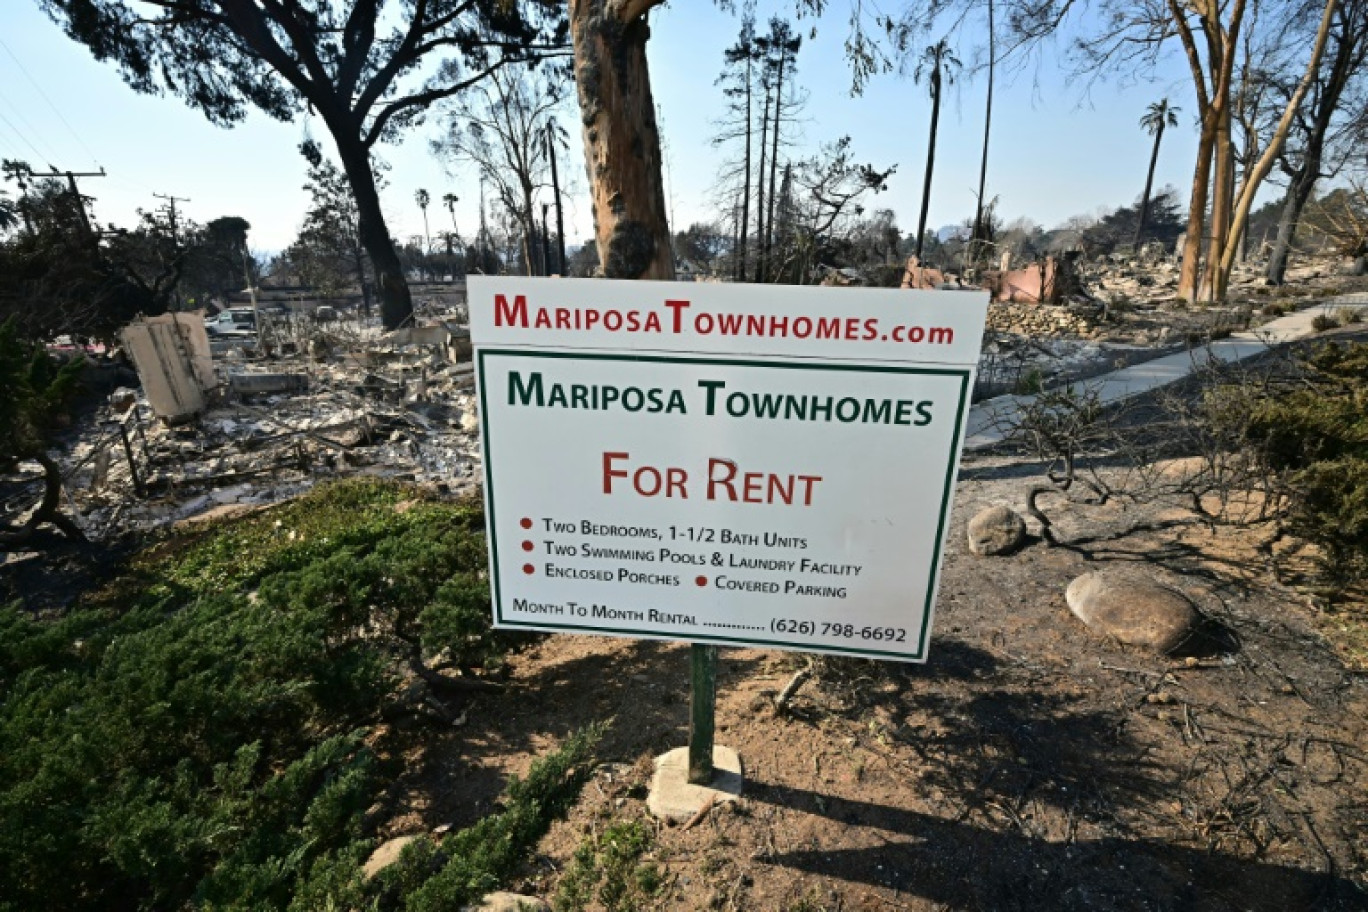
{"x": 1159, "y": 115}
{"x": 422, "y": 197}
{"x": 981, "y": 229}
{"x": 451, "y": 200}
{"x": 938, "y": 64}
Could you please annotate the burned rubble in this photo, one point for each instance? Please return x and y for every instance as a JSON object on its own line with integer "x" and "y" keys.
{"x": 226, "y": 422}
{"x": 1071, "y": 318}
{"x": 270, "y": 414}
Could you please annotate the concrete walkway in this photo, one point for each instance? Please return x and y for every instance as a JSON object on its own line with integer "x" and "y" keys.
{"x": 988, "y": 419}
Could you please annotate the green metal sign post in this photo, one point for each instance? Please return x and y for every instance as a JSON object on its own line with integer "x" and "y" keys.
{"x": 702, "y": 705}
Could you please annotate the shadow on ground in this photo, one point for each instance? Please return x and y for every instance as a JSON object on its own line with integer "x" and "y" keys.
{"x": 963, "y": 866}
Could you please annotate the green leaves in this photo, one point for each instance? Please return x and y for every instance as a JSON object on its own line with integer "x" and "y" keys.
{"x": 36, "y": 388}
{"x": 196, "y": 735}
{"x": 1315, "y": 436}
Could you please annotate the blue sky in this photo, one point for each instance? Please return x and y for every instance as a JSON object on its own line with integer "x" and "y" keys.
{"x": 1059, "y": 148}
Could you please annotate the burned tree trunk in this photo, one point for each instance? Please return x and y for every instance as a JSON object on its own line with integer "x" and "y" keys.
{"x": 48, "y": 511}
{"x": 1351, "y": 48}
{"x": 1196, "y": 224}
{"x": 1298, "y": 194}
{"x": 1214, "y": 280}
{"x": 621, "y": 139}
{"x": 746, "y": 184}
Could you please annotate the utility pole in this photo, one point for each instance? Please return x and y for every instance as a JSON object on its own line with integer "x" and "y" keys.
{"x": 76, "y": 193}
{"x": 175, "y": 249}
{"x": 19, "y": 170}
{"x": 171, "y": 205}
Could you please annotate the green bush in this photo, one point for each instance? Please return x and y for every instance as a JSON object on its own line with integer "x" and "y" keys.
{"x": 1314, "y": 439}
{"x": 1030, "y": 383}
{"x": 1332, "y": 511}
{"x": 34, "y": 392}
{"x": 474, "y": 861}
{"x": 607, "y": 868}
{"x": 195, "y": 735}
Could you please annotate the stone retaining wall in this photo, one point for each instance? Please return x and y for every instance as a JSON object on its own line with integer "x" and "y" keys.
{"x": 1041, "y": 319}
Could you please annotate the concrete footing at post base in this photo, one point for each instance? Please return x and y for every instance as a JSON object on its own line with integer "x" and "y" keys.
{"x": 674, "y": 799}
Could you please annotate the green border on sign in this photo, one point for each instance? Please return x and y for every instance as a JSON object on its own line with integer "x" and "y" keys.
{"x": 932, "y": 583}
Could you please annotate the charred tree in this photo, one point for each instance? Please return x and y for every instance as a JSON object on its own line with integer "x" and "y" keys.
{"x": 1345, "y": 60}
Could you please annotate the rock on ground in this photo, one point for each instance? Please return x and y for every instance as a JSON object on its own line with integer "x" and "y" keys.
{"x": 996, "y": 530}
{"x": 1133, "y": 608}
{"x": 386, "y": 855}
{"x": 508, "y": 902}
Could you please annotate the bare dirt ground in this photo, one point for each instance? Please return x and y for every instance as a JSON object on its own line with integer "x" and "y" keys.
{"x": 1029, "y": 764}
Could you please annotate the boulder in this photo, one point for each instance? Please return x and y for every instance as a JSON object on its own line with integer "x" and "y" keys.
{"x": 996, "y": 530}
{"x": 508, "y": 902}
{"x": 1133, "y": 608}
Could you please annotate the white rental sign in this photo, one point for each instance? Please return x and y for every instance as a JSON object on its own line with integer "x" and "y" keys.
{"x": 735, "y": 464}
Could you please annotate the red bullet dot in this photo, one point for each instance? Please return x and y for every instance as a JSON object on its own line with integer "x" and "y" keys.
{"x": 526, "y": 523}
{"x": 529, "y": 569}
{"x": 702, "y": 581}
{"x": 527, "y": 546}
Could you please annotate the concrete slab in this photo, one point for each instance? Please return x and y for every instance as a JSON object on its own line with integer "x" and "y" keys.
{"x": 990, "y": 421}
{"x": 673, "y": 798}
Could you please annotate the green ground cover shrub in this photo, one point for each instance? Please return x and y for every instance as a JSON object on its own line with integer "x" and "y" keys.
{"x": 195, "y": 735}
{"x": 1313, "y": 436}
{"x": 608, "y": 869}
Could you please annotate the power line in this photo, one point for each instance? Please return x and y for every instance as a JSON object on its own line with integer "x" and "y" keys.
{"x": 28, "y": 127}
{"x": 39, "y": 156}
{"x": 41, "y": 94}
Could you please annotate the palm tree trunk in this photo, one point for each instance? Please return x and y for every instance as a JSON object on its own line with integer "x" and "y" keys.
{"x": 1149, "y": 185}
{"x": 930, "y": 158}
{"x": 979, "y": 229}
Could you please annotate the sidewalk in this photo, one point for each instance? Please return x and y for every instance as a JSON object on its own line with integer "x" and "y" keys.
{"x": 987, "y": 419}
